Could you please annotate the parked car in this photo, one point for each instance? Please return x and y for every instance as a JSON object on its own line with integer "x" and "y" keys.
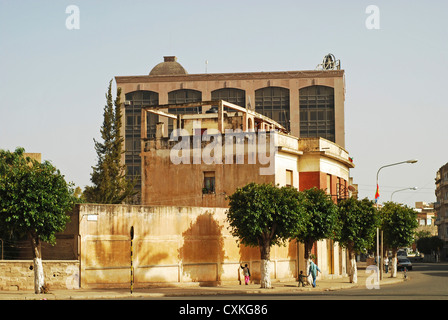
{"x": 404, "y": 263}
{"x": 402, "y": 253}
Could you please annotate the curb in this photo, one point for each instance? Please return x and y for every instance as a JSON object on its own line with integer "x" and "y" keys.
{"x": 280, "y": 288}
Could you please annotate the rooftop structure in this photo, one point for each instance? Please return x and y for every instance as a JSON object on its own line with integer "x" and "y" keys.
{"x": 308, "y": 104}
{"x": 207, "y": 156}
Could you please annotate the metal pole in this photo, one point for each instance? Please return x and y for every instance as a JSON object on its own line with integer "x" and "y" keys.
{"x": 377, "y": 253}
{"x": 132, "y": 260}
{"x": 382, "y": 247}
{"x": 377, "y": 229}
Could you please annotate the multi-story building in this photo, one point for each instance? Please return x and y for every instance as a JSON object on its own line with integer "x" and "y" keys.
{"x": 188, "y": 169}
{"x": 441, "y": 206}
{"x": 426, "y": 217}
{"x": 305, "y": 103}
{"x": 210, "y": 155}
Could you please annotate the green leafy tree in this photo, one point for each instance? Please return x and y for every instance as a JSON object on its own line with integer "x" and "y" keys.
{"x": 398, "y": 223}
{"x": 422, "y": 234}
{"x": 321, "y": 215}
{"x": 263, "y": 215}
{"x": 358, "y": 221}
{"x": 79, "y": 195}
{"x": 320, "y": 221}
{"x": 429, "y": 244}
{"x": 110, "y": 184}
{"x": 34, "y": 202}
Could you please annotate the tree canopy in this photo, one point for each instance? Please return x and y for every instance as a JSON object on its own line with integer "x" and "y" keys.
{"x": 358, "y": 221}
{"x": 259, "y": 212}
{"x": 110, "y": 184}
{"x": 429, "y": 244}
{"x": 34, "y": 202}
{"x": 398, "y": 223}
{"x": 264, "y": 215}
{"x": 34, "y": 197}
{"x": 320, "y": 220}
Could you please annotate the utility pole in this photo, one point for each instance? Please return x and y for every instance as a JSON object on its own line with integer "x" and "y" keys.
{"x": 132, "y": 259}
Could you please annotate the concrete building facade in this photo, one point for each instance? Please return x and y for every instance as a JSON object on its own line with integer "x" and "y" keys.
{"x": 307, "y": 103}
{"x": 299, "y": 116}
{"x": 426, "y": 217}
{"x": 441, "y": 207}
{"x": 241, "y": 154}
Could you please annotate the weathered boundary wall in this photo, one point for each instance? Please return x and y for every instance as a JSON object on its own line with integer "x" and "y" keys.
{"x": 19, "y": 274}
{"x": 171, "y": 245}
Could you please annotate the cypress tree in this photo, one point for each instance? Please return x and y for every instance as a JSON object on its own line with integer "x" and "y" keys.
{"x": 110, "y": 184}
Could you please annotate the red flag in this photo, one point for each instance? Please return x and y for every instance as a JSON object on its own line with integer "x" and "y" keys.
{"x": 377, "y": 194}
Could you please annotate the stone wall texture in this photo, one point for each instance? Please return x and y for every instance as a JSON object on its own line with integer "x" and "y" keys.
{"x": 19, "y": 274}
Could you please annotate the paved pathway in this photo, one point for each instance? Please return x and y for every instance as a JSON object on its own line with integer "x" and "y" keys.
{"x": 364, "y": 280}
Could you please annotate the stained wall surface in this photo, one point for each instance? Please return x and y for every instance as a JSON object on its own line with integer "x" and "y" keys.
{"x": 175, "y": 245}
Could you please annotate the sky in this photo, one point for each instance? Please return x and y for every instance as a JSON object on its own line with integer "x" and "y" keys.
{"x": 53, "y": 77}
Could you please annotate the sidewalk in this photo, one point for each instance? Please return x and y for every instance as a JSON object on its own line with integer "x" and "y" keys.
{"x": 364, "y": 279}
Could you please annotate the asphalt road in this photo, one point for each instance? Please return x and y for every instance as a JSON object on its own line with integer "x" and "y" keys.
{"x": 427, "y": 281}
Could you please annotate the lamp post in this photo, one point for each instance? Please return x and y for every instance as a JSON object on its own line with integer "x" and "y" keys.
{"x": 413, "y": 188}
{"x": 380, "y": 264}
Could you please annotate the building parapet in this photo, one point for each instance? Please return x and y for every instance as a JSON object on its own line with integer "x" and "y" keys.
{"x": 327, "y": 148}
{"x": 226, "y": 76}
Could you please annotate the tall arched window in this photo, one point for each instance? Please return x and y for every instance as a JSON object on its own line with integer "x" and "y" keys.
{"x": 273, "y": 102}
{"x": 317, "y": 112}
{"x": 132, "y": 121}
{"x": 232, "y": 95}
{"x": 184, "y": 96}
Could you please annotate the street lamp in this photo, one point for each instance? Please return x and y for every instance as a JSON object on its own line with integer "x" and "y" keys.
{"x": 413, "y": 188}
{"x": 377, "y": 195}
{"x": 394, "y": 164}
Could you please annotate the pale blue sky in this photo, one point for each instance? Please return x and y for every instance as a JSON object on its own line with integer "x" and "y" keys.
{"x": 53, "y": 80}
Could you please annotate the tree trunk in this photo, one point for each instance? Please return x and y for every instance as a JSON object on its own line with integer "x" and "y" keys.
{"x": 39, "y": 279}
{"x": 308, "y": 247}
{"x": 265, "y": 268}
{"x": 393, "y": 273}
{"x": 353, "y": 268}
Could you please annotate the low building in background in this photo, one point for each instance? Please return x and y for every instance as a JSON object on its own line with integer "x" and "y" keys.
{"x": 441, "y": 207}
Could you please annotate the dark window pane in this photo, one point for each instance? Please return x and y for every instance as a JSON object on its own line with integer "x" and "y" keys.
{"x": 273, "y": 98}
{"x": 232, "y": 95}
{"x": 318, "y": 103}
{"x": 134, "y": 102}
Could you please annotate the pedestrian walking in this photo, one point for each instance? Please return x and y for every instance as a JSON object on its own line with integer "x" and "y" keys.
{"x": 386, "y": 264}
{"x": 246, "y": 273}
{"x": 313, "y": 271}
{"x": 301, "y": 279}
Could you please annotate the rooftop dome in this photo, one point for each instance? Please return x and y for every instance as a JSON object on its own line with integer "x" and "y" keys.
{"x": 169, "y": 66}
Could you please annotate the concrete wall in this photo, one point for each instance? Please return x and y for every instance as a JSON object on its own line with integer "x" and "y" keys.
{"x": 167, "y": 183}
{"x": 172, "y": 245}
{"x": 177, "y": 246}
{"x": 19, "y": 274}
